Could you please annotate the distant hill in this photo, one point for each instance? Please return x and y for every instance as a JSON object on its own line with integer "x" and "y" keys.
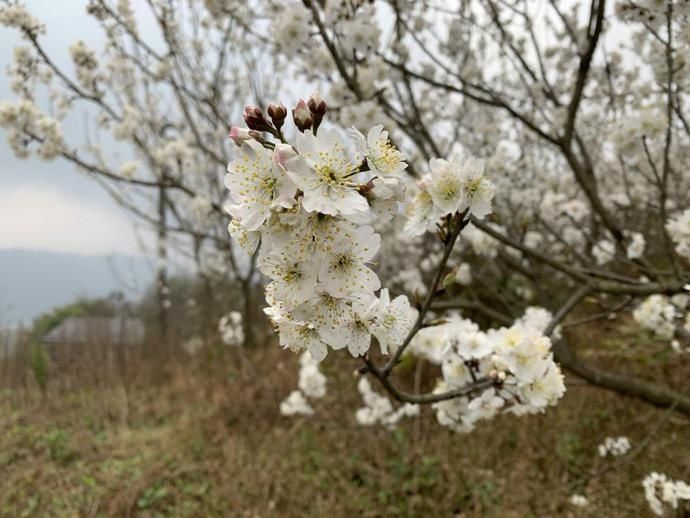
{"x": 32, "y": 282}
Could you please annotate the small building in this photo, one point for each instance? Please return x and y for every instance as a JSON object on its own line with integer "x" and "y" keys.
{"x": 96, "y": 331}
{"x": 92, "y": 339}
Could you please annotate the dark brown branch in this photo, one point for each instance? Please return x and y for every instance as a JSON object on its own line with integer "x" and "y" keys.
{"x": 621, "y": 383}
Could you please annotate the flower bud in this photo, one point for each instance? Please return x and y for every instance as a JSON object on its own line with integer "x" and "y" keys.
{"x": 256, "y": 119}
{"x": 424, "y": 181}
{"x": 282, "y": 153}
{"x": 239, "y": 135}
{"x": 317, "y": 106}
{"x": 277, "y": 113}
{"x": 302, "y": 116}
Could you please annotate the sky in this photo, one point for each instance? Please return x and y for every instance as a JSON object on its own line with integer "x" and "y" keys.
{"x": 50, "y": 205}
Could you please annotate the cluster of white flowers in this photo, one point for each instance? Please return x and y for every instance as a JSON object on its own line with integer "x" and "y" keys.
{"x": 565, "y": 216}
{"x": 85, "y": 64}
{"x": 230, "y": 329}
{"x": 656, "y": 313}
{"x": 659, "y": 489}
{"x": 636, "y": 245}
{"x": 128, "y": 169}
{"x": 16, "y": 15}
{"x": 311, "y": 207}
{"x": 482, "y": 243}
{"x": 603, "y": 251}
{"x": 378, "y": 409}
{"x": 679, "y": 230}
{"x": 452, "y": 186}
{"x": 538, "y": 318}
{"x": 200, "y": 208}
{"x": 291, "y": 28}
{"x": 361, "y": 32}
{"x": 614, "y": 446}
{"x": 23, "y": 118}
{"x": 312, "y": 385}
{"x": 518, "y": 360}
{"x": 128, "y": 125}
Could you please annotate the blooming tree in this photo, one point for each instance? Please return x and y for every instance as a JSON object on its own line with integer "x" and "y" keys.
{"x": 579, "y": 114}
{"x": 486, "y": 156}
{"x": 154, "y": 107}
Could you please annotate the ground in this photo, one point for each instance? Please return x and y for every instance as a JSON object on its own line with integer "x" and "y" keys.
{"x": 204, "y": 437}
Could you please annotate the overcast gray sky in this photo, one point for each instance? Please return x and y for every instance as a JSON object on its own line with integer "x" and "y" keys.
{"x": 50, "y": 205}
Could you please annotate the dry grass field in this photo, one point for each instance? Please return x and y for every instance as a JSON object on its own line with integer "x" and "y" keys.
{"x": 205, "y": 438}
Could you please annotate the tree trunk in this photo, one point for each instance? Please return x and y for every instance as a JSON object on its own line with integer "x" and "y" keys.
{"x": 161, "y": 267}
{"x": 248, "y": 312}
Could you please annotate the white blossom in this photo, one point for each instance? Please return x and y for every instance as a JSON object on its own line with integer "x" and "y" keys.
{"x": 660, "y": 490}
{"x": 323, "y": 171}
{"x": 679, "y": 230}
{"x": 614, "y": 446}
{"x": 378, "y": 409}
{"x": 656, "y": 313}
{"x": 382, "y": 157}
{"x": 456, "y": 185}
{"x": 296, "y": 404}
{"x": 257, "y": 184}
{"x": 291, "y": 28}
{"x": 636, "y": 247}
{"x": 463, "y": 275}
{"x": 230, "y": 329}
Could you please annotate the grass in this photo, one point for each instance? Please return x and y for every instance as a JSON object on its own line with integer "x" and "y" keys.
{"x": 208, "y": 440}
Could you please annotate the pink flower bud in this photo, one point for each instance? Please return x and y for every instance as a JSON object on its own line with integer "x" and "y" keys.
{"x": 252, "y": 111}
{"x": 424, "y": 181}
{"x": 302, "y": 116}
{"x": 239, "y": 135}
{"x": 282, "y": 153}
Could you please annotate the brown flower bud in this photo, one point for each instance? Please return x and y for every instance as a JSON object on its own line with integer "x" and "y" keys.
{"x": 277, "y": 113}
{"x": 317, "y": 106}
{"x": 256, "y": 119}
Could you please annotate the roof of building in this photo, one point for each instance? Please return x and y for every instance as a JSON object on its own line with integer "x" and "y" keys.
{"x": 96, "y": 331}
